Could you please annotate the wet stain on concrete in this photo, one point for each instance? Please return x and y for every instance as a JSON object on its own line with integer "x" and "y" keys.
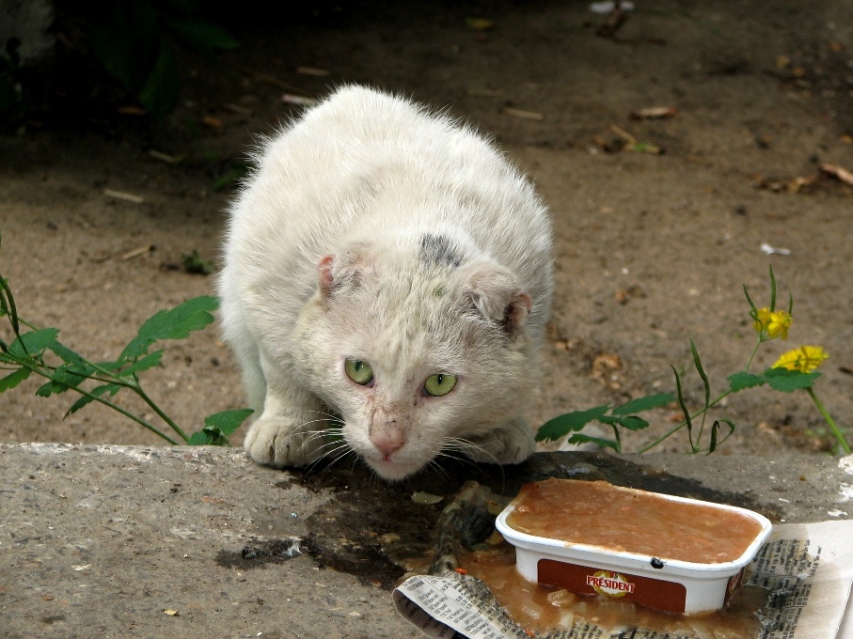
{"x": 260, "y": 552}
{"x": 371, "y": 527}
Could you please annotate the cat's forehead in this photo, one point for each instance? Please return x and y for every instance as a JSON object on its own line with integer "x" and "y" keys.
{"x": 414, "y": 321}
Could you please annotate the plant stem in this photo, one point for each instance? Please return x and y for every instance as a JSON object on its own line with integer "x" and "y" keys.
{"x": 752, "y": 354}
{"x": 832, "y": 425}
{"x": 130, "y": 415}
{"x": 26, "y": 363}
{"x": 138, "y": 390}
{"x": 694, "y": 449}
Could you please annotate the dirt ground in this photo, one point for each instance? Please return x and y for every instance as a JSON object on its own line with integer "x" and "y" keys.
{"x": 652, "y": 248}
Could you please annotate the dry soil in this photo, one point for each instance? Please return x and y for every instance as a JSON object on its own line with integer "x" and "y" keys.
{"x": 659, "y": 222}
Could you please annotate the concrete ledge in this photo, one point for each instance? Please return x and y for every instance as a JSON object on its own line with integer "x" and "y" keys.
{"x": 119, "y": 541}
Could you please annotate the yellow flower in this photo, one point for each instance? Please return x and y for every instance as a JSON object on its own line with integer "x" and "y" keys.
{"x": 804, "y": 359}
{"x": 773, "y": 323}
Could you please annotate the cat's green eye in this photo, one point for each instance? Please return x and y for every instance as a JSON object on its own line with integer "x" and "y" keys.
{"x": 440, "y": 384}
{"x": 358, "y": 371}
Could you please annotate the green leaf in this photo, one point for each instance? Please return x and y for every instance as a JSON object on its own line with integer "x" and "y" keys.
{"x": 631, "y": 422}
{"x": 159, "y": 94}
{"x": 565, "y": 424}
{"x": 51, "y": 388}
{"x": 680, "y": 394}
{"x": 75, "y": 370}
{"x": 112, "y": 389}
{"x": 67, "y": 355}
{"x": 201, "y": 438}
{"x": 7, "y": 305}
{"x": 753, "y": 308}
{"x": 741, "y": 381}
{"x": 782, "y": 379}
{"x": 698, "y": 363}
{"x": 65, "y": 377}
{"x": 149, "y": 361}
{"x": 644, "y": 403}
{"x": 228, "y": 421}
{"x": 193, "y": 263}
{"x": 715, "y": 429}
{"x": 33, "y": 343}
{"x": 177, "y": 323}
{"x": 580, "y": 438}
{"x": 218, "y": 426}
{"x": 13, "y": 379}
{"x": 205, "y": 37}
{"x": 772, "y": 290}
{"x": 208, "y": 436}
{"x": 126, "y": 40}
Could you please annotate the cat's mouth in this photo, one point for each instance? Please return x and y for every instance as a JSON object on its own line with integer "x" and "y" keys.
{"x": 391, "y": 470}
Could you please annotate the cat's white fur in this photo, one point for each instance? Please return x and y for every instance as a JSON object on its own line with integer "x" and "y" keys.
{"x": 375, "y": 230}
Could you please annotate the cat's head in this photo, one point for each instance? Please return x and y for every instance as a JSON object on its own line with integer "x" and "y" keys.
{"x": 415, "y": 351}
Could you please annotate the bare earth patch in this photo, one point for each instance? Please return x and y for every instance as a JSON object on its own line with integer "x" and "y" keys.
{"x": 660, "y": 216}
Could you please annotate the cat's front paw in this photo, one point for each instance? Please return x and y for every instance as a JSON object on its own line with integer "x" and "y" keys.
{"x": 508, "y": 444}
{"x": 275, "y": 442}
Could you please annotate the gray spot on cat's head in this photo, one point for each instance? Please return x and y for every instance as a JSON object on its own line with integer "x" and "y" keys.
{"x": 437, "y": 249}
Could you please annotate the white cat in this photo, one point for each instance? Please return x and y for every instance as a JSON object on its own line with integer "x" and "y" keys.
{"x": 387, "y": 272}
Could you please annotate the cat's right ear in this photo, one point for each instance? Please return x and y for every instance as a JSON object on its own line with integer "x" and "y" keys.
{"x": 336, "y": 272}
{"x": 326, "y": 275}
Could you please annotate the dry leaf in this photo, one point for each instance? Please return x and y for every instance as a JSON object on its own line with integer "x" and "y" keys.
{"x": 131, "y": 110}
{"x": 838, "y": 172}
{"x": 301, "y": 100}
{"x": 654, "y": 112}
{"x": 239, "y": 110}
{"x": 171, "y": 613}
{"x": 319, "y": 73}
{"x": 609, "y": 5}
{"x": 426, "y": 498}
{"x": 121, "y": 195}
{"x": 389, "y": 538}
{"x": 142, "y": 250}
{"x": 521, "y": 113}
{"x": 794, "y": 185}
{"x": 212, "y": 122}
{"x": 165, "y": 157}
{"x": 480, "y": 24}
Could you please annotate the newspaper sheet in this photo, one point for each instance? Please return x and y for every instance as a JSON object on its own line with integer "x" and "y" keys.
{"x": 808, "y": 569}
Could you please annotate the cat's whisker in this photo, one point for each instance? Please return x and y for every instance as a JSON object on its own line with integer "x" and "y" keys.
{"x": 448, "y": 453}
{"x": 433, "y": 465}
{"x": 466, "y": 445}
{"x": 318, "y": 421}
{"x": 334, "y": 451}
{"x": 463, "y": 446}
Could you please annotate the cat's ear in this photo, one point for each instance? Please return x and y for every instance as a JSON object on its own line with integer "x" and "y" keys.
{"x": 497, "y": 295}
{"x": 341, "y": 271}
{"x": 325, "y": 270}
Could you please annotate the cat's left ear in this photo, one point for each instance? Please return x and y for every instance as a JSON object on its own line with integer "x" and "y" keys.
{"x": 497, "y": 295}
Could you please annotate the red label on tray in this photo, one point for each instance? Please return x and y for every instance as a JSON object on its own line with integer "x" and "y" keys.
{"x": 657, "y": 594}
{"x": 609, "y": 583}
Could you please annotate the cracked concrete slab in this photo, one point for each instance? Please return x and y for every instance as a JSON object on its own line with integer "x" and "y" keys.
{"x": 117, "y": 541}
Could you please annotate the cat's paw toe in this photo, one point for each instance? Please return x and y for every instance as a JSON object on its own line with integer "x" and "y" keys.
{"x": 271, "y": 443}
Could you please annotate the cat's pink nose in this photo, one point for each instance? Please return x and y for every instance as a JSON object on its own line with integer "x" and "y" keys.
{"x": 388, "y": 439}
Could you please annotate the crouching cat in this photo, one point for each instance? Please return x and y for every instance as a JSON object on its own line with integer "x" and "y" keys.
{"x": 386, "y": 273}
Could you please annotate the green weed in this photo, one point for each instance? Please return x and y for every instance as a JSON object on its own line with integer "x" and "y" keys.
{"x": 37, "y": 351}
{"x": 794, "y": 370}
